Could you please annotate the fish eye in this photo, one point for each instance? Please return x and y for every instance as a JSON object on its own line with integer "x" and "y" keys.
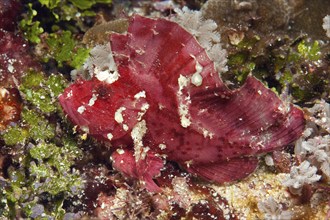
{"x": 103, "y": 91}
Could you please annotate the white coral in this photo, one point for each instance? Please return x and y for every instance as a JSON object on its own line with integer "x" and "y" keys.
{"x": 206, "y": 34}
{"x": 314, "y": 145}
{"x": 273, "y": 210}
{"x": 300, "y": 175}
{"x": 319, "y": 150}
{"x": 326, "y": 25}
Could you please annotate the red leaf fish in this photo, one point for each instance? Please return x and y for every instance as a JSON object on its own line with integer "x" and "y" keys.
{"x": 165, "y": 98}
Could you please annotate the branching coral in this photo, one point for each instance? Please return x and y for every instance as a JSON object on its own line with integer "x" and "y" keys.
{"x": 300, "y": 175}
{"x": 314, "y": 145}
{"x": 318, "y": 150}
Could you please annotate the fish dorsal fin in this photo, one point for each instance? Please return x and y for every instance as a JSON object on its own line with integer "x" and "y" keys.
{"x": 156, "y": 52}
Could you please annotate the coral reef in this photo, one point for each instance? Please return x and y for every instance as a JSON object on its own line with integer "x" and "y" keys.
{"x": 38, "y": 153}
{"x": 314, "y": 144}
{"x": 99, "y": 34}
{"x": 268, "y": 54}
{"x": 318, "y": 148}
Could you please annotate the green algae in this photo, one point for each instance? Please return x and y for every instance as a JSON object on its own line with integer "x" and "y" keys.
{"x": 15, "y": 135}
{"x": 86, "y": 4}
{"x": 31, "y": 29}
{"x": 63, "y": 48}
{"x": 42, "y": 165}
{"x": 299, "y": 65}
{"x": 42, "y": 92}
{"x": 46, "y": 171}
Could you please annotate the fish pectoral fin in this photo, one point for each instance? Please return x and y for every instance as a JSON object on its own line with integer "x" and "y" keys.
{"x": 144, "y": 170}
{"x": 225, "y": 171}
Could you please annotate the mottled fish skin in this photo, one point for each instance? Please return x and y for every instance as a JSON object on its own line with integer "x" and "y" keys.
{"x": 214, "y": 132}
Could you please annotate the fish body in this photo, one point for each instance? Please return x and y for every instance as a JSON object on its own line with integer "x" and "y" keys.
{"x": 164, "y": 97}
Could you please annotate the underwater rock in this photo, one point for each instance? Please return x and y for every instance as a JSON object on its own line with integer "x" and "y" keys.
{"x": 309, "y": 19}
{"x": 162, "y": 96}
{"x": 291, "y": 17}
{"x": 263, "y": 16}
